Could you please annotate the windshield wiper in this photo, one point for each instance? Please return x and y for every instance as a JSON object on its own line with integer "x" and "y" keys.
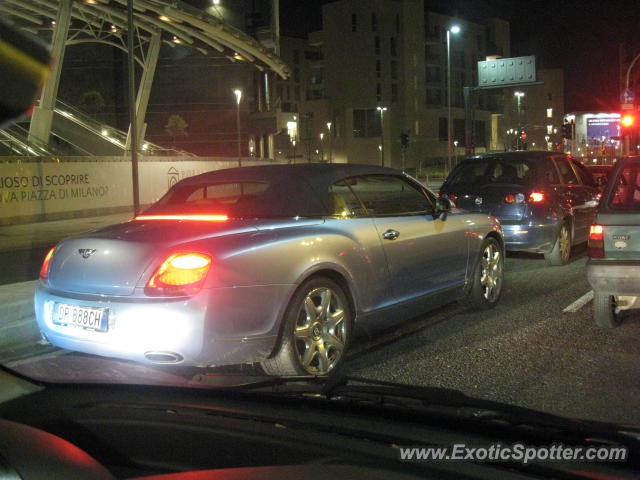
{"x": 447, "y": 401}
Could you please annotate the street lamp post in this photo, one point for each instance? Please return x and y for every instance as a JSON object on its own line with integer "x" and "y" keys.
{"x": 454, "y": 29}
{"x": 519, "y": 96}
{"x": 294, "y": 150}
{"x": 238, "y": 94}
{"x": 382, "y": 110}
{"x": 321, "y": 147}
{"x": 330, "y": 142}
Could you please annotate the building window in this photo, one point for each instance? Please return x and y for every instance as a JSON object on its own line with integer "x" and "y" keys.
{"x": 434, "y": 96}
{"x": 397, "y": 23}
{"x": 549, "y": 129}
{"x": 549, "y": 112}
{"x": 296, "y": 93}
{"x": 296, "y": 75}
{"x": 296, "y": 57}
{"x": 374, "y": 22}
{"x": 432, "y": 74}
{"x": 394, "y": 70}
{"x": 354, "y": 22}
{"x": 394, "y": 92}
{"x": 378, "y": 68}
{"x": 549, "y": 96}
{"x": 442, "y": 129}
{"x": 379, "y": 92}
{"x": 377, "y": 45}
{"x": 392, "y": 47}
{"x": 479, "y": 134}
{"x": 366, "y": 123}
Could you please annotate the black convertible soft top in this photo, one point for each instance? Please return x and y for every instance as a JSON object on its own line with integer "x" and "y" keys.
{"x": 294, "y": 190}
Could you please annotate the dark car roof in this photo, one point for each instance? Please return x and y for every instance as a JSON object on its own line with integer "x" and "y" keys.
{"x": 316, "y": 174}
{"x": 294, "y": 190}
{"x": 519, "y": 155}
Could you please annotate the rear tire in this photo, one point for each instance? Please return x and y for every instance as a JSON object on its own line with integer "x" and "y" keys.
{"x": 316, "y": 331}
{"x": 561, "y": 252}
{"x": 604, "y": 311}
{"x": 488, "y": 278}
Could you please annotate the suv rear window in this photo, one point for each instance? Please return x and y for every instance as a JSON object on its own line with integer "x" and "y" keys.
{"x": 493, "y": 171}
{"x": 626, "y": 191}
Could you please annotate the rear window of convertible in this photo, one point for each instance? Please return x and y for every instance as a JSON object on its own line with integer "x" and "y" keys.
{"x": 263, "y": 198}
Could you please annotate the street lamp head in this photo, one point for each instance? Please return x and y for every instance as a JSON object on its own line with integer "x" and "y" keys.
{"x": 238, "y": 93}
{"x": 381, "y": 109}
{"x": 321, "y": 136}
{"x": 519, "y": 94}
{"x": 455, "y": 29}
{"x": 329, "y": 126}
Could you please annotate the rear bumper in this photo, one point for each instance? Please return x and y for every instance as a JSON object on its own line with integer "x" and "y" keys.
{"x": 530, "y": 237}
{"x": 215, "y": 327}
{"x": 614, "y": 277}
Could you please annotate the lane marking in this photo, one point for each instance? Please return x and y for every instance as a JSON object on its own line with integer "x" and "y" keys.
{"x": 579, "y": 303}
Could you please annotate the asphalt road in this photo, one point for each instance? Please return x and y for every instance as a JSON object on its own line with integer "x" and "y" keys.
{"x": 526, "y": 351}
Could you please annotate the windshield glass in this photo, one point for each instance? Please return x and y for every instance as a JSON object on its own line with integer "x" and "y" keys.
{"x": 391, "y": 190}
{"x": 625, "y": 194}
{"x": 492, "y": 171}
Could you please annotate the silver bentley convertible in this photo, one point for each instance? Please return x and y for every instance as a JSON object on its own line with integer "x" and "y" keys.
{"x": 281, "y": 265}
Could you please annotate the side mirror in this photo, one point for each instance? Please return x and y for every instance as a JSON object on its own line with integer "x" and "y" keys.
{"x": 443, "y": 207}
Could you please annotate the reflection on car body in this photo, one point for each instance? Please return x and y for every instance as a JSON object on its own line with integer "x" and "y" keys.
{"x": 545, "y": 201}
{"x": 272, "y": 264}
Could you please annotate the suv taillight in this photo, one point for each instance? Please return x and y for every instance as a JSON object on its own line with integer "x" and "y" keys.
{"x": 180, "y": 274}
{"x": 595, "y": 247}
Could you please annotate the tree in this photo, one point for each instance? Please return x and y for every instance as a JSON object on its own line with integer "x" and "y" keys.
{"x": 176, "y": 127}
{"x": 92, "y": 101}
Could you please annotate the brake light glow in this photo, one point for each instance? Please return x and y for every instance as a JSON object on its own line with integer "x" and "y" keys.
{"x": 44, "y": 270}
{"x": 536, "y": 197}
{"x": 181, "y": 274}
{"x": 595, "y": 248}
{"x": 201, "y": 218}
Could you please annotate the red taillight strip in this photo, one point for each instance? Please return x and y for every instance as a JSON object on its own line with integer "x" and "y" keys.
{"x": 201, "y": 218}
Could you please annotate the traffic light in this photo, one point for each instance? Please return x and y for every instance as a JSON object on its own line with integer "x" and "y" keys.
{"x": 404, "y": 140}
{"x": 627, "y": 121}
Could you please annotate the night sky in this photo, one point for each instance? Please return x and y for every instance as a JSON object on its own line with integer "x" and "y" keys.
{"x": 580, "y": 36}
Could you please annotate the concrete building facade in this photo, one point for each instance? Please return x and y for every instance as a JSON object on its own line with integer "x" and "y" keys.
{"x": 392, "y": 55}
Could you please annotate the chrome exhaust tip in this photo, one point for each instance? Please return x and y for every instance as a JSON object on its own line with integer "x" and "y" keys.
{"x": 163, "y": 357}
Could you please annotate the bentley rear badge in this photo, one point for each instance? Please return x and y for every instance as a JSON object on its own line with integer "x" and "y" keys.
{"x": 86, "y": 252}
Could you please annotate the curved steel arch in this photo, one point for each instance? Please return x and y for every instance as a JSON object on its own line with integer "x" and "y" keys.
{"x": 155, "y": 22}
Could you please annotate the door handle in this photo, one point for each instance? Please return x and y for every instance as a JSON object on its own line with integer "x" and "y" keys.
{"x": 390, "y": 234}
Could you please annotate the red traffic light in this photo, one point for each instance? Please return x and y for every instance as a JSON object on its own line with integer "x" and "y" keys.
{"x": 627, "y": 121}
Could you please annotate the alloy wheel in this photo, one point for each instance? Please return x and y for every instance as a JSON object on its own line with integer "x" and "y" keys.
{"x": 565, "y": 243}
{"x": 320, "y": 332}
{"x": 491, "y": 273}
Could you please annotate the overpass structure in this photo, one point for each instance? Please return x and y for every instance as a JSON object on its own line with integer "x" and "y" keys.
{"x": 156, "y": 22}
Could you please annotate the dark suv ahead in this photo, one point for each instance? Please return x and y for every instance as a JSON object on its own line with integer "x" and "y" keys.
{"x": 545, "y": 201}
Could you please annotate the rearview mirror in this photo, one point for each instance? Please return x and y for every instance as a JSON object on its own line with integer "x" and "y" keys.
{"x": 443, "y": 207}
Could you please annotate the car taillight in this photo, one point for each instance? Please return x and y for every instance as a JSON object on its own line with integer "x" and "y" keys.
{"x": 536, "y": 197}
{"x": 514, "y": 198}
{"x": 181, "y": 274}
{"x": 44, "y": 270}
{"x": 595, "y": 247}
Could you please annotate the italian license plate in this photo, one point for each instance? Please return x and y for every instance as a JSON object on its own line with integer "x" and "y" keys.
{"x": 84, "y": 317}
